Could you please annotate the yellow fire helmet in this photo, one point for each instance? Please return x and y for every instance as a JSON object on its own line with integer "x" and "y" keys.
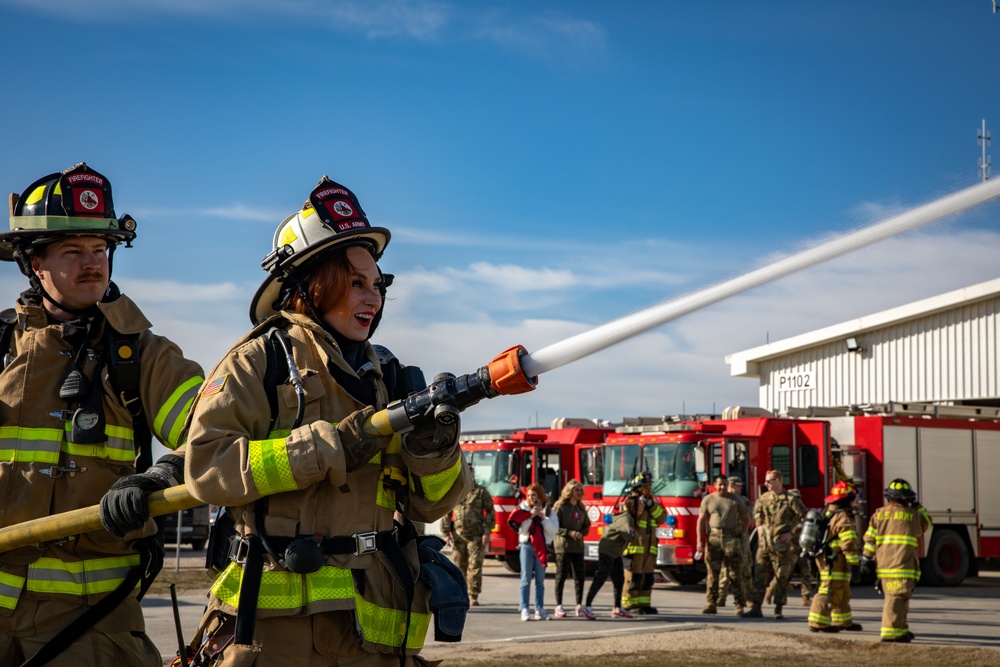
{"x": 332, "y": 218}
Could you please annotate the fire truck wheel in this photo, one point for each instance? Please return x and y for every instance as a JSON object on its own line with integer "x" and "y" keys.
{"x": 512, "y": 561}
{"x": 684, "y": 576}
{"x": 947, "y": 562}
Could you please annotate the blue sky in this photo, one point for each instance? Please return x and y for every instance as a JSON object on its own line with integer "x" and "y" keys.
{"x": 543, "y": 167}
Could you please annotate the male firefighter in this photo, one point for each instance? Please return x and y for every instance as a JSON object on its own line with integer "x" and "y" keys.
{"x": 85, "y": 386}
{"x": 640, "y": 555}
{"x": 891, "y": 541}
{"x": 831, "y": 607}
{"x": 467, "y": 529}
{"x": 740, "y": 595}
{"x": 778, "y": 515}
{"x": 722, "y": 520}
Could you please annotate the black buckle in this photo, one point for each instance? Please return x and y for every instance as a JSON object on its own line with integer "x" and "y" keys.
{"x": 238, "y": 550}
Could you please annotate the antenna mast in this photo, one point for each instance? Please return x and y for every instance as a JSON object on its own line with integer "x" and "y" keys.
{"x": 984, "y": 161}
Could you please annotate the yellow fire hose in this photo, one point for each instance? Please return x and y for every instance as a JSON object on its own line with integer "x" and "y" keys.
{"x": 86, "y": 519}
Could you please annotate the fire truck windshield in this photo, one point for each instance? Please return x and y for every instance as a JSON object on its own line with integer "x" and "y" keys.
{"x": 491, "y": 469}
{"x": 671, "y": 464}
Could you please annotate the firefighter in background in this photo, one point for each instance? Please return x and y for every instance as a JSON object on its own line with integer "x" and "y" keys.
{"x": 891, "y": 541}
{"x": 71, "y": 441}
{"x": 319, "y": 571}
{"x": 722, "y": 521}
{"x": 640, "y": 555}
{"x": 740, "y": 595}
{"x": 804, "y": 568}
{"x": 467, "y": 529}
{"x": 831, "y": 608}
{"x": 778, "y": 515}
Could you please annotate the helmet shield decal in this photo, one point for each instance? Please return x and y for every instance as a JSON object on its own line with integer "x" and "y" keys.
{"x": 337, "y": 207}
{"x": 86, "y": 194}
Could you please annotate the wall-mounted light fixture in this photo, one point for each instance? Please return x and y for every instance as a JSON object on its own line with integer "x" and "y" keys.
{"x": 853, "y": 345}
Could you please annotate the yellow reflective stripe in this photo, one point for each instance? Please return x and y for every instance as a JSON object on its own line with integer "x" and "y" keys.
{"x": 437, "y": 485}
{"x": 893, "y": 632}
{"x": 848, "y": 535}
{"x": 897, "y": 573}
{"x": 853, "y": 559}
{"x": 657, "y": 512}
{"x": 287, "y": 591}
{"x": 840, "y": 576}
{"x": 906, "y": 540}
{"x": 85, "y": 577}
{"x": 386, "y": 626}
{"x": 169, "y": 421}
{"x": 870, "y": 533}
{"x": 10, "y": 590}
{"x": 270, "y": 467}
{"x": 642, "y": 523}
{"x": 120, "y": 445}
{"x": 26, "y": 445}
{"x": 43, "y": 445}
{"x": 636, "y": 601}
{"x": 385, "y": 497}
{"x": 819, "y": 619}
{"x": 842, "y": 618}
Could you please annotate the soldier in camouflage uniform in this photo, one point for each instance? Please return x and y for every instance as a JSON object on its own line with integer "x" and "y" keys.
{"x": 778, "y": 515}
{"x": 467, "y": 529}
{"x": 735, "y": 483}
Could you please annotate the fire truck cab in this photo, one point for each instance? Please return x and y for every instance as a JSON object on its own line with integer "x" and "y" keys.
{"x": 508, "y": 462}
{"x": 684, "y": 455}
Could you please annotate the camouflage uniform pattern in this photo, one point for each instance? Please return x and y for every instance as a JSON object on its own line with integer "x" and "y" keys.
{"x": 725, "y": 544}
{"x": 740, "y": 594}
{"x": 774, "y": 515}
{"x": 473, "y": 518}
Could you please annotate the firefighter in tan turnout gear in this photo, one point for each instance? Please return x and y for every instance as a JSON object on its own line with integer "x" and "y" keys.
{"x": 85, "y": 385}
{"x": 468, "y": 529}
{"x": 838, "y": 555}
{"x": 891, "y": 541}
{"x": 320, "y": 572}
{"x": 640, "y": 555}
{"x": 778, "y": 515}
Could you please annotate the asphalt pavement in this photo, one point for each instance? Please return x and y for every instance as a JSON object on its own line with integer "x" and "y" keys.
{"x": 963, "y": 616}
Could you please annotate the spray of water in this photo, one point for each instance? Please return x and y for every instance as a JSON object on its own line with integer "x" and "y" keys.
{"x": 606, "y": 335}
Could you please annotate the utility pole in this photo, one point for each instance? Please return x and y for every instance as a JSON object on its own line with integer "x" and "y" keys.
{"x": 984, "y": 141}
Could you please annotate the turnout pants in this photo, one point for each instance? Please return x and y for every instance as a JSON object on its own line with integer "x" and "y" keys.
{"x": 639, "y": 582}
{"x": 832, "y": 603}
{"x": 897, "y": 605}
{"x": 117, "y": 640}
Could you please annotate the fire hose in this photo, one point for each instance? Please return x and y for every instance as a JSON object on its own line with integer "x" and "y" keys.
{"x": 515, "y": 371}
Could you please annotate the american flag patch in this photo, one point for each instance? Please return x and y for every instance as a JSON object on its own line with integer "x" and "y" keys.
{"x": 215, "y": 386}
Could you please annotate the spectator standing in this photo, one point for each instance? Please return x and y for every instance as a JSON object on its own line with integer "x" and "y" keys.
{"x": 574, "y": 524}
{"x": 535, "y": 528}
{"x": 616, "y": 537}
{"x": 467, "y": 529}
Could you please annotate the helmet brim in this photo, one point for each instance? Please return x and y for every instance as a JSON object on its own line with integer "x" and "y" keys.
{"x": 262, "y": 305}
{"x": 9, "y": 241}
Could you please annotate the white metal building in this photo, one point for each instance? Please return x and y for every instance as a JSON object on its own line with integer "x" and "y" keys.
{"x": 939, "y": 350}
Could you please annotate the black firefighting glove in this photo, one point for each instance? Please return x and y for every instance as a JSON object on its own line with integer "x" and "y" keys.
{"x": 431, "y": 437}
{"x": 855, "y": 574}
{"x": 359, "y": 446}
{"x": 124, "y": 507}
{"x": 867, "y": 565}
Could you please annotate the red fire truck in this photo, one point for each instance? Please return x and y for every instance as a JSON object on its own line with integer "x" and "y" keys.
{"x": 507, "y": 462}
{"x": 951, "y": 456}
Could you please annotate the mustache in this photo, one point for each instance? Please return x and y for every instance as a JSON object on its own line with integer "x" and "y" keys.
{"x": 98, "y": 275}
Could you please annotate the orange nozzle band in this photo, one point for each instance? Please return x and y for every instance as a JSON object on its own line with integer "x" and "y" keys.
{"x": 506, "y": 376}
